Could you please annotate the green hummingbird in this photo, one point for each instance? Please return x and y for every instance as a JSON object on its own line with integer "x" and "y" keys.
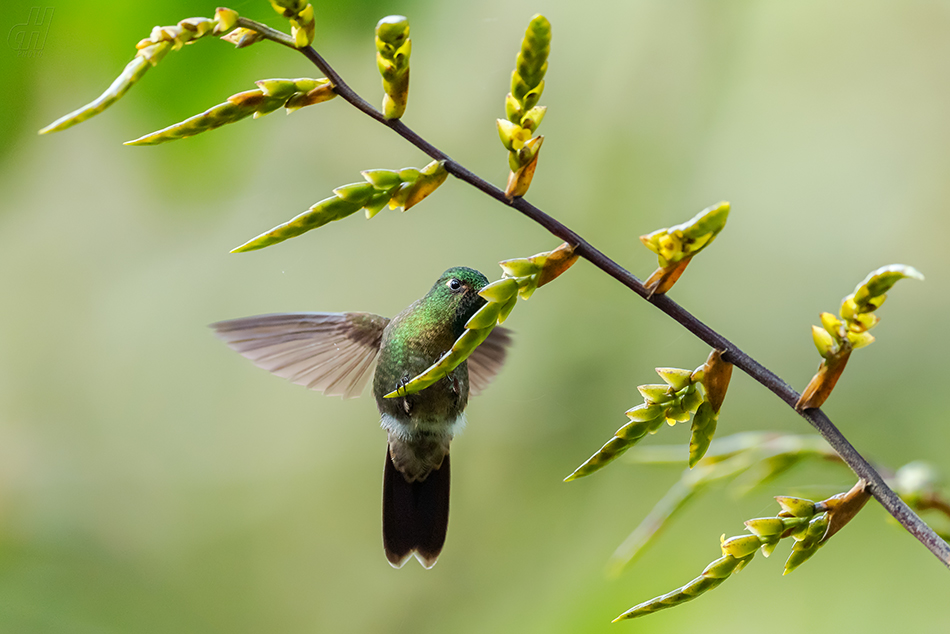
{"x": 334, "y": 353}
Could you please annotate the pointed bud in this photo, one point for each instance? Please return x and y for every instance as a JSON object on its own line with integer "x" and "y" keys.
{"x": 692, "y": 399}
{"x": 796, "y": 507}
{"x": 520, "y": 267}
{"x": 511, "y": 134}
{"x": 807, "y": 545}
{"x": 242, "y": 37}
{"x": 831, "y": 324}
{"x": 824, "y": 342}
{"x": 277, "y": 87}
{"x": 675, "y": 377}
{"x": 506, "y": 309}
{"x": 382, "y": 179}
{"x": 358, "y": 193}
{"x": 225, "y": 20}
{"x": 633, "y": 431}
{"x": 721, "y": 568}
{"x": 740, "y": 546}
{"x": 655, "y": 393}
{"x": 500, "y": 291}
{"x": 409, "y": 174}
{"x": 486, "y": 316}
{"x": 860, "y": 339}
{"x": 376, "y": 204}
{"x": 532, "y": 119}
{"x": 513, "y": 109}
{"x": 652, "y": 240}
{"x": 766, "y": 526}
{"x": 676, "y": 413}
{"x": 645, "y": 412}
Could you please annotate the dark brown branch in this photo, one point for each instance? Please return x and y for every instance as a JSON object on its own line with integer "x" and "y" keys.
{"x": 875, "y": 483}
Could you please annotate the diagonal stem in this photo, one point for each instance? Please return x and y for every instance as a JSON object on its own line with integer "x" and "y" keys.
{"x": 818, "y": 419}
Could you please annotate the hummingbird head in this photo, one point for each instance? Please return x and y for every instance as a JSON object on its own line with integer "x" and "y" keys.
{"x": 455, "y": 294}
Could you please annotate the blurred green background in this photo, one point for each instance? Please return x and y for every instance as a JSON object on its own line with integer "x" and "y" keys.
{"x": 151, "y": 480}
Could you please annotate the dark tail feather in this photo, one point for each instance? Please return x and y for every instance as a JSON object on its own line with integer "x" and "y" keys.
{"x": 415, "y": 514}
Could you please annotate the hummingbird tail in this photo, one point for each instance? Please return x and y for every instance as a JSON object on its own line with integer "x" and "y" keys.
{"x": 415, "y": 514}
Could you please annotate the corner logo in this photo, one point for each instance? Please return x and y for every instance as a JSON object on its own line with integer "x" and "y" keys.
{"x": 29, "y": 38}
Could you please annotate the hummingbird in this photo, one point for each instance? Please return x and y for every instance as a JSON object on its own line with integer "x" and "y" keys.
{"x": 335, "y": 353}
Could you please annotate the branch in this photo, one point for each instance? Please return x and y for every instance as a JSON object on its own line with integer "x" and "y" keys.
{"x": 861, "y": 467}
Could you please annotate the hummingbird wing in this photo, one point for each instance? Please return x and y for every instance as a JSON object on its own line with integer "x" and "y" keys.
{"x": 486, "y": 361}
{"x": 333, "y": 353}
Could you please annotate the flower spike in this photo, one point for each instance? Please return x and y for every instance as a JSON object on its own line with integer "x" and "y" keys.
{"x": 292, "y": 94}
{"x": 676, "y": 246}
{"x": 523, "y": 113}
{"x": 403, "y": 188}
{"x": 838, "y": 336}
{"x": 300, "y": 16}
{"x": 151, "y": 50}
{"x": 393, "y": 47}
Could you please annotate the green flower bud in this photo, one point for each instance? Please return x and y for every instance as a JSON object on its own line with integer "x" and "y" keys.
{"x": 646, "y": 412}
{"x": 676, "y": 245}
{"x": 740, "y": 546}
{"x": 532, "y": 119}
{"x": 766, "y": 526}
{"x": 519, "y": 268}
{"x": 394, "y": 47}
{"x": 409, "y": 174}
{"x": 692, "y": 399}
{"x": 859, "y": 340}
{"x": 499, "y": 291}
{"x": 675, "y": 377}
{"x": 676, "y": 413}
{"x": 824, "y": 342}
{"x": 714, "y": 574}
{"x": 796, "y": 507}
{"x": 358, "y": 193}
{"x": 486, "y": 316}
{"x": 382, "y": 179}
{"x": 225, "y": 20}
{"x": 242, "y": 38}
{"x": 832, "y": 324}
{"x": 511, "y": 135}
{"x": 272, "y": 94}
{"x": 655, "y": 393}
{"x": 283, "y": 88}
{"x": 807, "y": 544}
{"x": 376, "y": 203}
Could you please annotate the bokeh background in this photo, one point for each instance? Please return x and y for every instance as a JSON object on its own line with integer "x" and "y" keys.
{"x": 151, "y": 480}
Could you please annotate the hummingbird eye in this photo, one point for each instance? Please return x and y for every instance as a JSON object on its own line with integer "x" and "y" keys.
{"x": 454, "y": 284}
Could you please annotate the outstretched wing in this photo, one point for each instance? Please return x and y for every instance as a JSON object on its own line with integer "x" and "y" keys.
{"x": 486, "y": 361}
{"x": 333, "y": 353}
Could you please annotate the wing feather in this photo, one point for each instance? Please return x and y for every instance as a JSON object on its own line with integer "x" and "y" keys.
{"x": 485, "y": 363}
{"x": 333, "y": 353}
